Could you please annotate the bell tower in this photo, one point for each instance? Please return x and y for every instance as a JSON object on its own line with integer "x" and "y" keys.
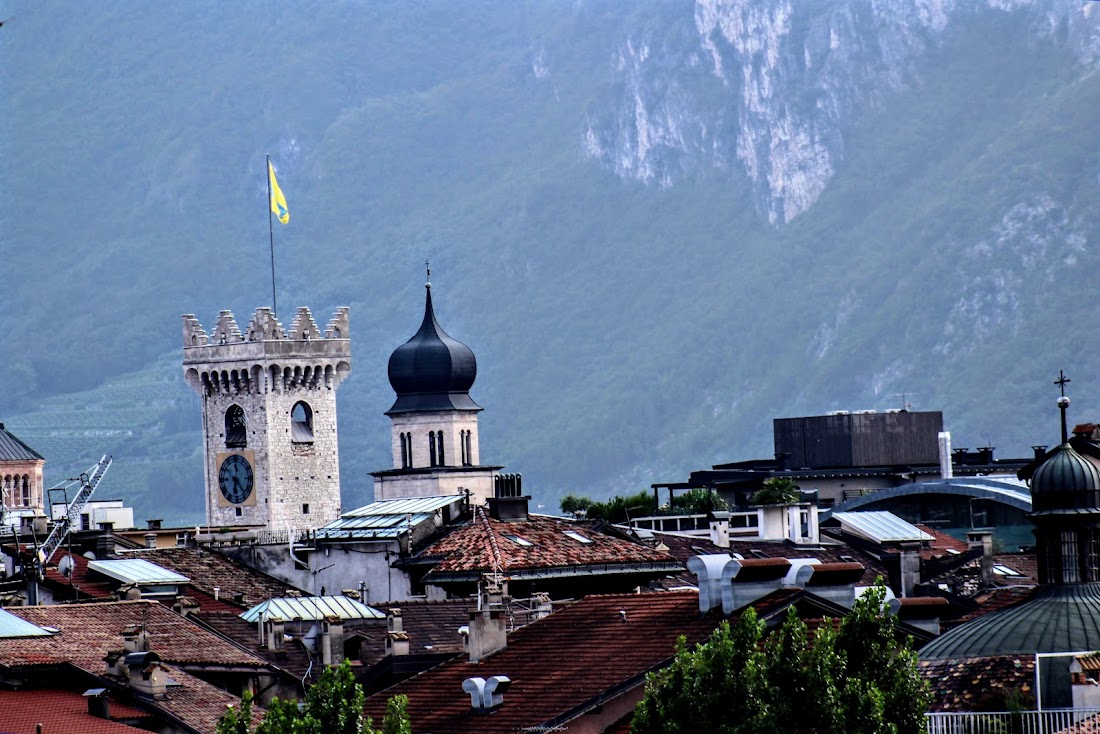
{"x": 434, "y": 419}
{"x": 269, "y": 417}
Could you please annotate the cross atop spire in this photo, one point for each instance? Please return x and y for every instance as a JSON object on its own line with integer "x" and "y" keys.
{"x": 428, "y": 270}
{"x": 1062, "y": 381}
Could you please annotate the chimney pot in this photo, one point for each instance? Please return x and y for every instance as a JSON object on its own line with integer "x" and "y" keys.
{"x": 99, "y": 705}
{"x": 150, "y": 540}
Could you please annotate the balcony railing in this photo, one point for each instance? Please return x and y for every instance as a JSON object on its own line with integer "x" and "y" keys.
{"x": 1054, "y": 721}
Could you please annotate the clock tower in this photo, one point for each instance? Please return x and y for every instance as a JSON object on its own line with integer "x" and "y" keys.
{"x": 269, "y": 417}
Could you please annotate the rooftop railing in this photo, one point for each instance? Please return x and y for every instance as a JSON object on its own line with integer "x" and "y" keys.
{"x": 1053, "y": 721}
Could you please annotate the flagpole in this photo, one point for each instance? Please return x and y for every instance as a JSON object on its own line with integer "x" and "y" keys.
{"x": 271, "y": 240}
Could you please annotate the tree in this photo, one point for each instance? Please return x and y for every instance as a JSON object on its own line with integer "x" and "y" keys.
{"x": 853, "y": 678}
{"x": 777, "y": 491}
{"x": 334, "y": 705}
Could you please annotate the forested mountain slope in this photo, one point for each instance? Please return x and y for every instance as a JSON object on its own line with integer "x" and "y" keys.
{"x": 658, "y": 225}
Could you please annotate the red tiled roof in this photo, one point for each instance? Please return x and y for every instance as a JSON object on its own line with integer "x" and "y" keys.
{"x": 77, "y": 587}
{"x": 556, "y": 664}
{"x": 977, "y": 684}
{"x": 207, "y": 568}
{"x": 483, "y": 545}
{"x": 90, "y": 631}
{"x": 941, "y": 543}
{"x": 683, "y": 547}
{"x": 62, "y": 711}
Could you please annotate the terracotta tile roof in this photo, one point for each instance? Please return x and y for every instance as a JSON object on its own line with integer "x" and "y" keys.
{"x": 1026, "y": 564}
{"x": 683, "y": 547}
{"x": 485, "y": 545}
{"x": 292, "y": 658}
{"x": 62, "y": 711}
{"x": 199, "y": 704}
{"x": 207, "y": 568}
{"x": 557, "y": 664}
{"x": 79, "y": 587}
{"x": 977, "y": 684}
{"x": 90, "y": 631}
{"x": 992, "y": 600}
{"x": 941, "y": 543}
{"x": 428, "y": 623}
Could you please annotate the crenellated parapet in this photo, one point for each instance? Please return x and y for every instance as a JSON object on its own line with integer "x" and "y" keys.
{"x": 265, "y": 357}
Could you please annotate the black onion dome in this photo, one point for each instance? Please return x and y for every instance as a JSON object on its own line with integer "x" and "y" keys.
{"x": 1065, "y": 482}
{"x": 432, "y": 371}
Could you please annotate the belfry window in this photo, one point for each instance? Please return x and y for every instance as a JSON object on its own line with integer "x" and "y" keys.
{"x": 301, "y": 423}
{"x": 439, "y": 447}
{"x": 406, "y": 450}
{"x": 236, "y": 428}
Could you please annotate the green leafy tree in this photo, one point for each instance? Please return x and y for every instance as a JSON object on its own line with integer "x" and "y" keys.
{"x": 696, "y": 502}
{"x": 777, "y": 491}
{"x": 334, "y": 705}
{"x": 854, "y": 678}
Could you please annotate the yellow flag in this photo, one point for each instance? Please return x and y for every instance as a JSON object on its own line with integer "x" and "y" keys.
{"x": 278, "y": 201}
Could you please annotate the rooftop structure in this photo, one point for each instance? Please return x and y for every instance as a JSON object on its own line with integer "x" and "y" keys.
{"x": 311, "y": 608}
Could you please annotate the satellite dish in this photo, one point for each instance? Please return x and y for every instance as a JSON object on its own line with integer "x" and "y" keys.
{"x": 90, "y": 555}
{"x": 65, "y": 567}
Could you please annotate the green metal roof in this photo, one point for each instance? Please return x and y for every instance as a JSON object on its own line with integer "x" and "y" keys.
{"x": 1058, "y": 618}
{"x": 311, "y": 608}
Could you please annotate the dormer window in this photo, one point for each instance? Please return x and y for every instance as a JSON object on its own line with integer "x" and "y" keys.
{"x": 236, "y": 428}
{"x": 301, "y": 423}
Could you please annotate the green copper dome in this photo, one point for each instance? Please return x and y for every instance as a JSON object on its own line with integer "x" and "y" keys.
{"x": 1065, "y": 483}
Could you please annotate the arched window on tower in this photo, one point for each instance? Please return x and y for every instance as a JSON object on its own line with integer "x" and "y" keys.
{"x": 404, "y": 451}
{"x": 26, "y": 490}
{"x": 462, "y": 448}
{"x": 466, "y": 445}
{"x": 432, "y": 460}
{"x": 439, "y": 447}
{"x": 301, "y": 423}
{"x": 236, "y": 428}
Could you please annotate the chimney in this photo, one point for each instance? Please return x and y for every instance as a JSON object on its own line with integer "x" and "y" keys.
{"x": 332, "y": 641}
{"x": 273, "y": 633}
{"x": 150, "y": 540}
{"x": 924, "y": 612}
{"x": 720, "y": 528}
{"x": 946, "y": 470}
{"x": 985, "y": 454}
{"x": 104, "y": 545}
{"x": 708, "y": 572}
{"x": 508, "y": 503}
{"x": 745, "y": 581}
{"x": 135, "y": 639}
{"x": 147, "y": 676}
{"x": 1039, "y": 451}
{"x": 487, "y": 630}
{"x": 153, "y": 524}
{"x": 185, "y": 606}
{"x": 397, "y": 639}
{"x": 835, "y": 582}
{"x": 909, "y": 560}
{"x": 486, "y": 695}
{"x": 99, "y": 705}
{"x": 983, "y": 539}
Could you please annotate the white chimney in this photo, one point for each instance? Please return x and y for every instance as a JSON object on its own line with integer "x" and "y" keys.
{"x": 486, "y": 695}
{"x": 946, "y": 470}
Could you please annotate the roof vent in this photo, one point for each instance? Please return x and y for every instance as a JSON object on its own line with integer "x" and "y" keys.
{"x": 486, "y": 695}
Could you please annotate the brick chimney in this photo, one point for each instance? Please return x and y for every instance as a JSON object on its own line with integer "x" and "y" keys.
{"x": 983, "y": 539}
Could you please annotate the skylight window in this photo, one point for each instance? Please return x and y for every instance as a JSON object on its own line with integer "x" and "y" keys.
{"x": 518, "y": 540}
{"x": 576, "y": 536}
{"x": 1005, "y": 571}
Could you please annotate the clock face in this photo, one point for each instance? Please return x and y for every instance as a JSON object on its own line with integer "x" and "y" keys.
{"x": 235, "y": 478}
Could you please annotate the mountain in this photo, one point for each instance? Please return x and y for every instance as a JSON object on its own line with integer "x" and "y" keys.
{"x": 658, "y": 225}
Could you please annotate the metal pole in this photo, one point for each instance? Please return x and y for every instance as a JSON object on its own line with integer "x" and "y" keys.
{"x": 271, "y": 240}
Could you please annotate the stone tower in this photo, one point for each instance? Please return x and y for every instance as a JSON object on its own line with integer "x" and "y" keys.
{"x": 269, "y": 417}
{"x": 434, "y": 420}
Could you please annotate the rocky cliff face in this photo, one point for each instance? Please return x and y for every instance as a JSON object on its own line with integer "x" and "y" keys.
{"x": 771, "y": 86}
